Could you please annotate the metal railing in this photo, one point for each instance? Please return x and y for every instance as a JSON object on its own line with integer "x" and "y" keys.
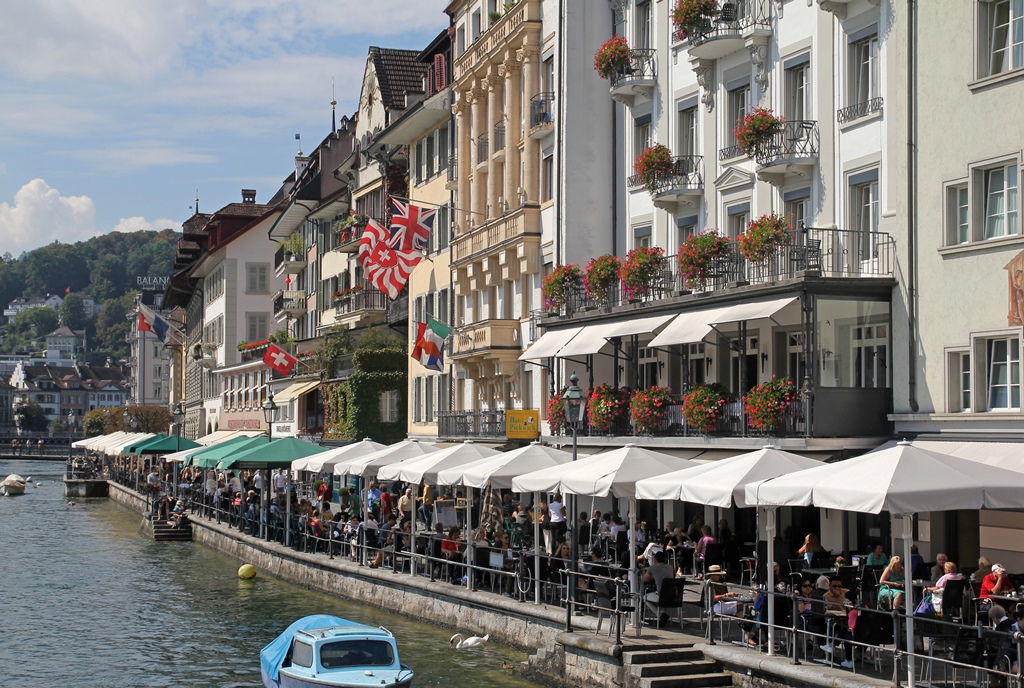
{"x": 499, "y": 138}
{"x": 858, "y": 110}
{"x": 542, "y": 109}
{"x": 794, "y": 139}
{"x": 730, "y": 152}
{"x": 365, "y": 299}
{"x": 642, "y": 65}
{"x": 453, "y": 166}
{"x": 731, "y": 19}
{"x": 687, "y": 173}
{"x": 467, "y": 424}
{"x": 289, "y": 301}
{"x": 482, "y": 149}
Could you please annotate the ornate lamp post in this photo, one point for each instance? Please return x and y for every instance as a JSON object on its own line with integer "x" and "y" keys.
{"x": 178, "y": 415}
{"x": 71, "y": 428}
{"x": 269, "y": 409}
{"x": 575, "y": 408}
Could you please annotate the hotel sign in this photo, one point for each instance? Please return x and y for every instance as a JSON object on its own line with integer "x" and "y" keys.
{"x": 522, "y": 425}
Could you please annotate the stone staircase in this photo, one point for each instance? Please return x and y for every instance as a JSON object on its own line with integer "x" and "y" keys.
{"x": 161, "y": 532}
{"x": 677, "y": 666}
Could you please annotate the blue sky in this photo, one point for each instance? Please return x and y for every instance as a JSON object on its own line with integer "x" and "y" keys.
{"x": 113, "y": 112}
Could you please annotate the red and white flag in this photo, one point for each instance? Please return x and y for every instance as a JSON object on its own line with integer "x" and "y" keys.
{"x": 385, "y": 263}
{"x": 279, "y": 360}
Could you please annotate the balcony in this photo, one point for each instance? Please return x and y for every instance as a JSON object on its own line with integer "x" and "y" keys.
{"x": 542, "y": 115}
{"x": 726, "y": 32}
{"x": 638, "y": 79}
{"x": 855, "y": 112}
{"x": 498, "y": 149}
{"x": 288, "y": 263}
{"x": 360, "y": 306}
{"x": 488, "y": 348}
{"x": 482, "y": 153}
{"x": 453, "y": 172}
{"x": 790, "y": 152}
{"x": 289, "y": 303}
{"x": 459, "y": 425}
{"x": 521, "y": 16}
{"x": 346, "y": 238}
{"x": 730, "y": 153}
{"x": 398, "y": 310}
{"x": 684, "y": 186}
{"x": 517, "y": 224}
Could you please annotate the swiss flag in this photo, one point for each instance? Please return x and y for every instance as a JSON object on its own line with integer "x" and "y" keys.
{"x": 281, "y": 361}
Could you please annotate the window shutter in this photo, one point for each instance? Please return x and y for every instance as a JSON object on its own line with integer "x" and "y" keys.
{"x": 440, "y": 73}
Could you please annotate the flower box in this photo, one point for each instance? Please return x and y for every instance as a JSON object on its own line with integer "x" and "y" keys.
{"x": 697, "y": 256}
{"x": 648, "y": 408}
{"x": 653, "y": 164}
{"x": 765, "y": 405}
{"x": 561, "y": 285}
{"x": 601, "y": 275}
{"x": 612, "y": 57}
{"x": 691, "y": 16}
{"x": 755, "y": 131}
{"x": 763, "y": 236}
{"x": 704, "y": 405}
{"x": 640, "y": 272}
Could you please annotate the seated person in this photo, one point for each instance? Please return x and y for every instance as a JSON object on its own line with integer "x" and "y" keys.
{"x": 837, "y": 605}
{"x": 939, "y": 570}
{"x": 656, "y": 573}
{"x": 996, "y": 583}
{"x": 892, "y": 584}
{"x": 810, "y": 547}
{"x": 725, "y": 600}
{"x": 811, "y": 608}
{"x": 706, "y": 539}
{"x": 951, "y": 573}
{"x": 877, "y": 556}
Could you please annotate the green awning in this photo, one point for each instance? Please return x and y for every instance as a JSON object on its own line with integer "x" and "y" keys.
{"x": 134, "y": 446}
{"x": 186, "y": 456}
{"x": 276, "y": 454}
{"x": 165, "y": 445}
{"x": 213, "y": 455}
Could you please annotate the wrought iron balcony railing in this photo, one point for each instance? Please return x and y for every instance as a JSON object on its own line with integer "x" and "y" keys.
{"x": 858, "y": 110}
{"x": 470, "y": 424}
{"x": 642, "y": 65}
{"x": 794, "y": 139}
{"x": 687, "y": 173}
{"x": 729, "y": 152}
{"x": 542, "y": 110}
{"x": 499, "y": 137}
{"x": 482, "y": 149}
{"x": 365, "y": 299}
{"x": 731, "y": 19}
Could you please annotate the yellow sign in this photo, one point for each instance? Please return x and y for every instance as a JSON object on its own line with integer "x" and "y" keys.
{"x": 522, "y": 425}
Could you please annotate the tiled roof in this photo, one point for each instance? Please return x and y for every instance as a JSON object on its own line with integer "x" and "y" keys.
{"x": 398, "y": 72}
{"x": 196, "y": 222}
{"x": 244, "y": 209}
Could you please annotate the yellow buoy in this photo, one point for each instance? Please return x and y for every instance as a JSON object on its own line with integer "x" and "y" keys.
{"x": 246, "y": 571}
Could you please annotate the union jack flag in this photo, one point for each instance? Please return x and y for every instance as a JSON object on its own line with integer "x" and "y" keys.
{"x": 411, "y": 225}
{"x": 385, "y": 263}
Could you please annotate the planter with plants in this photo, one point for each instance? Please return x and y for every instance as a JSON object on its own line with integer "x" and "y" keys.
{"x": 601, "y": 275}
{"x": 346, "y": 294}
{"x": 557, "y": 420}
{"x": 563, "y": 284}
{"x": 697, "y": 257}
{"x": 295, "y": 246}
{"x": 765, "y": 405}
{"x": 689, "y": 17}
{"x": 612, "y": 57}
{"x": 755, "y": 131}
{"x": 649, "y": 407}
{"x": 704, "y": 405}
{"x": 763, "y": 236}
{"x": 494, "y": 16}
{"x": 654, "y": 164}
{"x": 351, "y": 228}
{"x": 640, "y": 272}
{"x": 605, "y": 407}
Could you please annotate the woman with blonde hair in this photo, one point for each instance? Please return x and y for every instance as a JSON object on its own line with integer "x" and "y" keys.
{"x": 810, "y": 547}
{"x": 891, "y": 584}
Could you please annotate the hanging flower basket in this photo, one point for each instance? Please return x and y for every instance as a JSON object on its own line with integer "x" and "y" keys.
{"x": 763, "y": 236}
{"x": 704, "y": 405}
{"x": 697, "y": 255}
{"x": 649, "y": 407}
{"x": 557, "y": 420}
{"x": 689, "y": 16}
{"x": 562, "y": 284}
{"x": 612, "y": 57}
{"x": 765, "y": 405}
{"x": 755, "y": 131}
{"x": 653, "y": 164}
{"x": 601, "y": 274}
{"x": 640, "y": 272}
{"x": 606, "y": 405}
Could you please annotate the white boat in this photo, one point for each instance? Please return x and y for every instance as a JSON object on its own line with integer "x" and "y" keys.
{"x": 12, "y": 485}
{"x": 322, "y": 650}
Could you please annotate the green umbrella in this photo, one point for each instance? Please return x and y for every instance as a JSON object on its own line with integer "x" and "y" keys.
{"x": 276, "y": 454}
{"x": 213, "y": 456}
{"x": 165, "y": 445}
{"x": 133, "y": 447}
{"x": 194, "y": 454}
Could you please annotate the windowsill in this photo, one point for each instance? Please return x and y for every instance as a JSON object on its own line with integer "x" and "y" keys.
{"x": 996, "y": 79}
{"x": 870, "y": 117}
{"x": 990, "y": 416}
{"x": 547, "y": 204}
{"x": 975, "y": 246}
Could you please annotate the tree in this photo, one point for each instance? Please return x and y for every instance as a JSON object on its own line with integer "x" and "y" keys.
{"x": 95, "y": 422}
{"x": 28, "y": 329}
{"x": 52, "y": 269}
{"x": 72, "y": 312}
{"x": 33, "y": 417}
{"x": 146, "y": 419}
{"x": 112, "y": 325}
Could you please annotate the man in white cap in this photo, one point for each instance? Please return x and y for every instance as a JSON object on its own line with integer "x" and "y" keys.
{"x": 996, "y": 583}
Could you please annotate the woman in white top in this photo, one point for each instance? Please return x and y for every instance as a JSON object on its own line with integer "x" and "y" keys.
{"x": 556, "y": 511}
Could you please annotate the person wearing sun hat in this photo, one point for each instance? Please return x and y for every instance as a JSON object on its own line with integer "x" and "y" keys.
{"x": 725, "y": 602}
{"x": 996, "y": 583}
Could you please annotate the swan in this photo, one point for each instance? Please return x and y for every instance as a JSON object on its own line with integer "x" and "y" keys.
{"x": 28, "y": 479}
{"x": 466, "y": 643}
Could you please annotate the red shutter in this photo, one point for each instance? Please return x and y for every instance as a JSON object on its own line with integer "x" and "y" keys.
{"x": 440, "y": 73}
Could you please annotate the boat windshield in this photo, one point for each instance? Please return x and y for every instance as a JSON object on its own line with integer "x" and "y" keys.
{"x": 351, "y": 653}
{"x": 302, "y": 654}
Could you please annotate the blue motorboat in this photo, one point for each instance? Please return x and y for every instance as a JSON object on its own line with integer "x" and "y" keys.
{"x": 323, "y": 650}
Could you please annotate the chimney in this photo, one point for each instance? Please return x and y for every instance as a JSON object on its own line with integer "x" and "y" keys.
{"x": 248, "y": 195}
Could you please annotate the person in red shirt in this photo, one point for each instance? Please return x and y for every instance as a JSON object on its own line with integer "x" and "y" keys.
{"x": 996, "y": 583}
{"x": 450, "y": 551}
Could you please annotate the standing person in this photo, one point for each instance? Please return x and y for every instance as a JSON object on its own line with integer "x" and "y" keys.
{"x": 426, "y": 509}
{"x": 695, "y": 531}
{"x": 405, "y": 503}
{"x": 558, "y": 526}
{"x": 279, "y": 481}
{"x": 724, "y": 532}
{"x": 40, "y": 443}
{"x": 234, "y": 483}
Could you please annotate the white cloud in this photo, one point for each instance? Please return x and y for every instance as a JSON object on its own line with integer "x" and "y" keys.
{"x": 41, "y": 215}
{"x": 141, "y": 224}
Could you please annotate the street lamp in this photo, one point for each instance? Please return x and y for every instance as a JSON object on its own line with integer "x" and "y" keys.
{"x": 71, "y": 427}
{"x": 178, "y": 415}
{"x": 269, "y": 409}
{"x": 807, "y": 389}
{"x": 575, "y": 408}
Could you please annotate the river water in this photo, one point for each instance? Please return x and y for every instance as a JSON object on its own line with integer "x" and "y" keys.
{"x": 88, "y": 600}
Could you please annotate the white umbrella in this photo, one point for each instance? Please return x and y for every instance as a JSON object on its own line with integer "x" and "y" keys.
{"x": 499, "y": 471}
{"x": 84, "y": 444}
{"x": 326, "y": 461}
{"x": 114, "y": 448}
{"x": 615, "y": 473}
{"x": 97, "y": 443}
{"x": 722, "y": 483}
{"x": 425, "y": 469}
{"x": 368, "y": 464}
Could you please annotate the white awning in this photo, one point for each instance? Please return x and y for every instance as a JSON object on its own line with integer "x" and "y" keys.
{"x": 549, "y": 344}
{"x": 595, "y": 337}
{"x": 295, "y": 390}
{"x": 689, "y": 328}
{"x": 753, "y": 311}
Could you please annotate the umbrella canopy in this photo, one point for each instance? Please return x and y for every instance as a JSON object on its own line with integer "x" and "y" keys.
{"x": 368, "y": 464}
{"x": 163, "y": 445}
{"x": 135, "y": 446}
{"x": 99, "y": 443}
{"x": 499, "y": 470}
{"x": 902, "y": 479}
{"x": 211, "y": 456}
{"x": 326, "y": 461}
{"x": 612, "y": 473}
{"x": 278, "y": 453}
{"x": 426, "y": 468}
{"x": 723, "y": 483}
{"x": 84, "y": 444}
{"x": 117, "y": 446}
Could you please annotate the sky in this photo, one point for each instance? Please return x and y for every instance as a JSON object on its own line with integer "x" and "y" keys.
{"x": 113, "y": 113}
